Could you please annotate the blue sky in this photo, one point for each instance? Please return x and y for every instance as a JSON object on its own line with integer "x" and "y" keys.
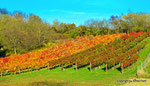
{"x": 75, "y": 11}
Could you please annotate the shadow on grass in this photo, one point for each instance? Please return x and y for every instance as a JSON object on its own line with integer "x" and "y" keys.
{"x": 104, "y": 68}
{"x": 53, "y": 67}
{"x": 69, "y": 66}
{"x": 47, "y": 83}
{"x": 108, "y": 69}
{"x": 82, "y": 66}
{"x": 119, "y": 69}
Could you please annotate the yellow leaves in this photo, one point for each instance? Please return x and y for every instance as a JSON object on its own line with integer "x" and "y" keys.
{"x": 39, "y": 58}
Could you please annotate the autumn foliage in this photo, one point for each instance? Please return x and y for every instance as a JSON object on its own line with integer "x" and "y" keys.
{"x": 107, "y": 49}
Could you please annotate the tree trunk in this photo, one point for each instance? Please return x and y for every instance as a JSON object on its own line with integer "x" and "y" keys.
{"x": 39, "y": 37}
{"x": 90, "y": 67}
{"x": 15, "y": 51}
{"x": 108, "y": 32}
{"x": 106, "y": 67}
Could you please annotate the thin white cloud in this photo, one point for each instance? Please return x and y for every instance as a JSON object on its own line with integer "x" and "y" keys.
{"x": 68, "y": 12}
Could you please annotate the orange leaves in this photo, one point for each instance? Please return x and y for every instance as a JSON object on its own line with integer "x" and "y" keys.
{"x": 39, "y": 58}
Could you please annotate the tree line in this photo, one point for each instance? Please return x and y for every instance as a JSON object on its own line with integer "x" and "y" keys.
{"x": 21, "y": 33}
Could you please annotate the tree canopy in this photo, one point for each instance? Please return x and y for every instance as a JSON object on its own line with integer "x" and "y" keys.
{"x": 21, "y": 33}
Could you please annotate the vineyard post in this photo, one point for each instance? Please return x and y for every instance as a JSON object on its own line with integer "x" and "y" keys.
{"x": 62, "y": 67}
{"x": 1, "y": 74}
{"x": 106, "y": 67}
{"x": 121, "y": 67}
{"x": 90, "y": 67}
{"x": 15, "y": 72}
{"x": 99, "y": 67}
{"x": 6, "y": 71}
{"x": 76, "y": 66}
{"x": 19, "y": 71}
{"x": 48, "y": 65}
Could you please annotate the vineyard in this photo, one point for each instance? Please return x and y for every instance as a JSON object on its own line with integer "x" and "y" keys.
{"x": 112, "y": 50}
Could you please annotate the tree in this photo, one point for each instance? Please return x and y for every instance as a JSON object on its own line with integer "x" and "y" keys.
{"x": 97, "y": 27}
{"x": 20, "y": 35}
{"x": 135, "y": 22}
{"x": 114, "y": 20}
{"x": 2, "y": 51}
{"x": 12, "y": 34}
{"x": 3, "y": 11}
{"x": 39, "y": 30}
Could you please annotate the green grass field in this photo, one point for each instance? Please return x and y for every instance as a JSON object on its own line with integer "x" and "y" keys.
{"x": 69, "y": 77}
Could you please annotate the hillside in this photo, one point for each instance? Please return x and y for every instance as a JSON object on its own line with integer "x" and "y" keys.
{"x": 81, "y": 77}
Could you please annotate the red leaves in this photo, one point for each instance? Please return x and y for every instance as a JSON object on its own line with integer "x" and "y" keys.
{"x": 80, "y": 47}
{"x": 130, "y": 60}
{"x": 148, "y": 33}
{"x": 135, "y": 35}
{"x": 5, "y": 60}
{"x": 145, "y": 42}
{"x": 67, "y": 45}
{"x": 39, "y": 58}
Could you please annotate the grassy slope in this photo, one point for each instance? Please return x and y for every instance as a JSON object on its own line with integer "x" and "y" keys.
{"x": 83, "y": 77}
{"x": 148, "y": 67}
